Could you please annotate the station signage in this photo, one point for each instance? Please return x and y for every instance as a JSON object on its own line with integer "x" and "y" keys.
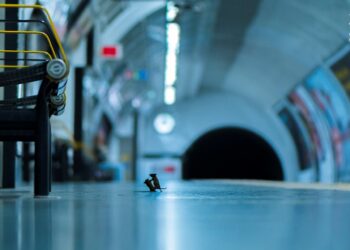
{"x": 113, "y": 52}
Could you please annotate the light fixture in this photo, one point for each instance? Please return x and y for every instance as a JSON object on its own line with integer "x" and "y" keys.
{"x": 171, "y": 60}
{"x": 164, "y": 123}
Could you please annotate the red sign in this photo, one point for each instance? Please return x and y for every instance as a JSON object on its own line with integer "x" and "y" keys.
{"x": 111, "y": 52}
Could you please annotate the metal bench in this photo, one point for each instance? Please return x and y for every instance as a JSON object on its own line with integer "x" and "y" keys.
{"x": 28, "y": 118}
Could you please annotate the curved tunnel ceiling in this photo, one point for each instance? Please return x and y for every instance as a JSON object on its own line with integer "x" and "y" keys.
{"x": 233, "y": 19}
{"x": 264, "y": 46}
{"x": 286, "y": 41}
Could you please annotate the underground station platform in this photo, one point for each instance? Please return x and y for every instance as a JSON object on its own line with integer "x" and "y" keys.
{"x": 216, "y": 214}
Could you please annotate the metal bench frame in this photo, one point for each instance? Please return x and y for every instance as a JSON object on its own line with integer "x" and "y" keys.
{"x": 28, "y": 118}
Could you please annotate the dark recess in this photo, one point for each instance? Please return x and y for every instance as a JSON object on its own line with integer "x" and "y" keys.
{"x": 231, "y": 153}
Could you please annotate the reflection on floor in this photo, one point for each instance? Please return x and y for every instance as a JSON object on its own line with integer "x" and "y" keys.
{"x": 186, "y": 216}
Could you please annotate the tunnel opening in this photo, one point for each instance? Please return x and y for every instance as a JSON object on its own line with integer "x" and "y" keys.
{"x": 231, "y": 153}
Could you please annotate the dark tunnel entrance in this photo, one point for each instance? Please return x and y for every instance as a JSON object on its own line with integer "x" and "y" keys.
{"x": 231, "y": 153}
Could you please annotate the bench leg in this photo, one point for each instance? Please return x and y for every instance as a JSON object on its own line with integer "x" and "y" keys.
{"x": 42, "y": 154}
{"x": 50, "y": 157}
{"x": 26, "y": 162}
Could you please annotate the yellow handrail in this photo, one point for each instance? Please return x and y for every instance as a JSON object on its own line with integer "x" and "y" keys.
{"x": 12, "y": 66}
{"x": 45, "y": 11}
{"x": 57, "y": 124}
{"x": 29, "y": 32}
{"x": 43, "y": 52}
{"x": 6, "y": 66}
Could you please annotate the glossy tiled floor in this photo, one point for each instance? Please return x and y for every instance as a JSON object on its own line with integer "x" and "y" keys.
{"x": 187, "y": 216}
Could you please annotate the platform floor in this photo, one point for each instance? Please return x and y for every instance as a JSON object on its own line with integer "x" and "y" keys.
{"x": 187, "y": 216}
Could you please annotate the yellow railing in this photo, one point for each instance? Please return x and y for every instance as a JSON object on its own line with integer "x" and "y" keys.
{"x": 43, "y": 52}
{"x": 76, "y": 145}
{"x": 52, "y": 53}
{"x": 32, "y": 32}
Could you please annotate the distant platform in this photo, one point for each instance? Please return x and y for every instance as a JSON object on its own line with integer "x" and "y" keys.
{"x": 186, "y": 216}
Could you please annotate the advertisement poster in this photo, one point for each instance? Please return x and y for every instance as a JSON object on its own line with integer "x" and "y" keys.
{"x": 325, "y": 92}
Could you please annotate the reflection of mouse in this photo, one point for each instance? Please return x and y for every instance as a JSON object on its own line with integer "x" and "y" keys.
{"x": 150, "y": 185}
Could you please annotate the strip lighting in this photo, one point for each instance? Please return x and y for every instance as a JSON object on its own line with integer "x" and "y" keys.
{"x": 171, "y": 61}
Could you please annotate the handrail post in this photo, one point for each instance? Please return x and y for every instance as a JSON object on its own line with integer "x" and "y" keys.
{"x": 9, "y": 149}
